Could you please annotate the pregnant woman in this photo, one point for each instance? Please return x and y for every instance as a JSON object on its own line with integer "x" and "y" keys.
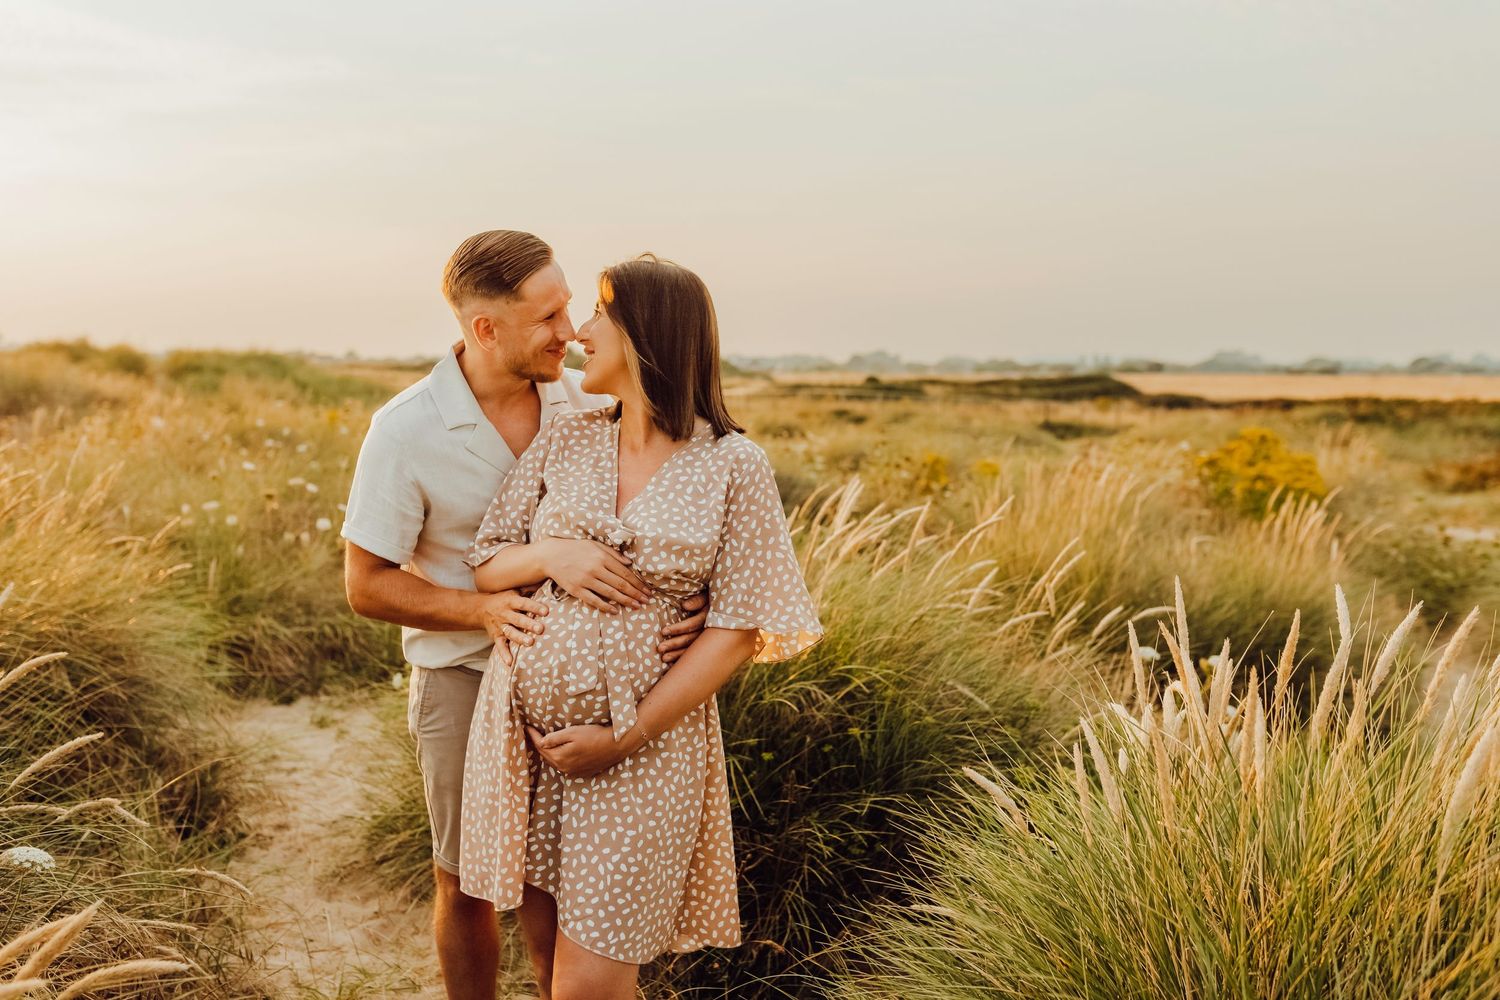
{"x": 595, "y": 793}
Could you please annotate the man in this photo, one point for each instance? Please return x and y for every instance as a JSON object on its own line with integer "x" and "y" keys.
{"x": 429, "y": 467}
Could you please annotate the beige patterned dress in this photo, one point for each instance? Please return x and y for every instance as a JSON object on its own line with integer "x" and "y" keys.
{"x": 640, "y": 857}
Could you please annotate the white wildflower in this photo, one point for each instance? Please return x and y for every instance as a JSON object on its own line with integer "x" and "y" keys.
{"x": 248, "y": 466}
{"x": 231, "y": 520}
{"x": 296, "y": 481}
{"x": 1147, "y": 653}
{"x": 304, "y": 537}
{"x": 33, "y": 858}
{"x": 398, "y": 680}
{"x": 158, "y": 422}
{"x": 260, "y": 422}
{"x": 323, "y": 524}
{"x": 302, "y": 448}
{"x": 286, "y": 432}
{"x": 312, "y": 487}
{"x": 272, "y": 443}
{"x": 187, "y": 508}
{"x": 343, "y": 508}
{"x": 210, "y": 505}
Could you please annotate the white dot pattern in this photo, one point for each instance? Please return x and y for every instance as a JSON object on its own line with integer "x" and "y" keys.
{"x": 640, "y": 857}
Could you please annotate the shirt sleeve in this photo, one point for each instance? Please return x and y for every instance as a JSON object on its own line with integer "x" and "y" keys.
{"x": 508, "y": 520}
{"x": 387, "y": 505}
{"x": 756, "y": 581}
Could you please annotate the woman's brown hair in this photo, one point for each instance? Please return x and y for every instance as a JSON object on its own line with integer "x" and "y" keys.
{"x": 672, "y": 338}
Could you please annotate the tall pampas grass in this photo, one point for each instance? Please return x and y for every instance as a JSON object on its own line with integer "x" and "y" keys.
{"x": 1260, "y": 851}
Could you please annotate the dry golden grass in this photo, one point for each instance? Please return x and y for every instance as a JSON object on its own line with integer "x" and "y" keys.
{"x": 1225, "y": 386}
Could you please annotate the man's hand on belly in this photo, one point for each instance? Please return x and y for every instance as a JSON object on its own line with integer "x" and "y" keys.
{"x": 678, "y": 636}
{"x": 507, "y": 615}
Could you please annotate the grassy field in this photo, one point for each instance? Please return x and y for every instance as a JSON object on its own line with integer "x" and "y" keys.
{"x": 993, "y": 563}
{"x": 1396, "y": 385}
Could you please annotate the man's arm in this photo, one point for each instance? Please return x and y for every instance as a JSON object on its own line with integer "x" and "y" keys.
{"x": 378, "y": 588}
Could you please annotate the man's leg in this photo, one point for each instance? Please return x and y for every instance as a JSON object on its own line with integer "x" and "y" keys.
{"x": 468, "y": 940}
{"x": 466, "y": 929}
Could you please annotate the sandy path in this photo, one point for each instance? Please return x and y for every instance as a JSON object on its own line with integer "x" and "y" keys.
{"x": 324, "y": 925}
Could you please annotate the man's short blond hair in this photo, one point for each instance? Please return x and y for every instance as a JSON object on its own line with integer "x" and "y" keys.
{"x": 492, "y": 265}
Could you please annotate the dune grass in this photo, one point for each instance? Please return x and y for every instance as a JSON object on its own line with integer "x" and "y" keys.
{"x": 170, "y": 524}
{"x": 1209, "y": 840}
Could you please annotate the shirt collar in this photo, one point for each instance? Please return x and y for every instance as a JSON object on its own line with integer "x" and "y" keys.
{"x": 455, "y": 400}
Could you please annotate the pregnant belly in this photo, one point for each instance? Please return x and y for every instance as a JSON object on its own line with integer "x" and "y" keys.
{"x": 561, "y": 679}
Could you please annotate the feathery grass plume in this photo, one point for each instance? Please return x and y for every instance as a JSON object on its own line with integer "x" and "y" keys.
{"x": 219, "y": 877}
{"x": 1392, "y": 647}
{"x": 1081, "y": 785}
{"x": 1137, "y": 667}
{"x": 1258, "y": 738}
{"x": 1165, "y": 797}
{"x": 20, "y": 987}
{"x": 57, "y": 942}
{"x": 1285, "y": 664}
{"x": 1192, "y": 691}
{"x": 1183, "y": 643}
{"x": 12, "y": 950}
{"x": 1106, "y": 776}
{"x": 35, "y": 663}
{"x": 1006, "y": 805}
{"x": 1465, "y": 789}
{"x": 1441, "y": 756}
{"x": 1446, "y": 661}
{"x": 1333, "y": 682}
{"x": 135, "y": 971}
{"x": 1220, "y": 686}
{"x": 1248, "y": 773}
{"x": 51, "y": 757}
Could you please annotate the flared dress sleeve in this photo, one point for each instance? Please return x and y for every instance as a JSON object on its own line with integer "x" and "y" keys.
{"x": 508, "y": 519}
{"x": 756, "y": 581}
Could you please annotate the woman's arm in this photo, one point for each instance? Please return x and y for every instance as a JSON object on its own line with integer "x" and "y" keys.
{"x": 591, "y": 571}
{"x": 706, "y": 666}
{"x": 585, "y": 750}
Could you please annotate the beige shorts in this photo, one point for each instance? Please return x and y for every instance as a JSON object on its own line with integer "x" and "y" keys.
{"x": 439, "y": 705}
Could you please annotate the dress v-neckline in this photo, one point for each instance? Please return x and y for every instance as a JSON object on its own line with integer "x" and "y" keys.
{"x": 619, "y": 509}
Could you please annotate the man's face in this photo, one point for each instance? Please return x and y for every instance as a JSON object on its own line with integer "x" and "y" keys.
{"x": 528, "y": 335}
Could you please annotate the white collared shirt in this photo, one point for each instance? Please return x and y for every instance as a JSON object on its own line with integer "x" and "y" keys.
{"x": 427, "y": 471}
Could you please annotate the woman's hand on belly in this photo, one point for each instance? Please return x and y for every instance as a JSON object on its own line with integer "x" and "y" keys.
{"x": 677, "y": 637}
{"x": 577, "y": 751}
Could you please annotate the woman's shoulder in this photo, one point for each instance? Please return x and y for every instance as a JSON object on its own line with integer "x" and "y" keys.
{"x": 566, "y": 421}
{"x": 588, "y": 415}
{"x": 739, "y": 449}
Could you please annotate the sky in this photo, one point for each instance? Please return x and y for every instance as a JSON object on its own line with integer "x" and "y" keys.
{"x": 1009, "y": 178}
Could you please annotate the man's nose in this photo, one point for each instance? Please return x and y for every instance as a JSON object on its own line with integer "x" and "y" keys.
{"x": 565, "y": 329}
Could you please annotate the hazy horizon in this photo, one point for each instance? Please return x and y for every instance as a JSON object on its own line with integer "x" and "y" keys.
{"x": 1076, "y": 177}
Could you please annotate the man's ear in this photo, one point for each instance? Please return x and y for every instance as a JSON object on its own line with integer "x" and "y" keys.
{"x": 483, "y": 329}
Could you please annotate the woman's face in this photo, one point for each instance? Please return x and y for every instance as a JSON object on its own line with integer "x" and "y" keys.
{"x": 604, "y": 367}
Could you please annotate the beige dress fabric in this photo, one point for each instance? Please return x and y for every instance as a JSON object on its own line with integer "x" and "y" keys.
{"x": 640, "y": 857}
